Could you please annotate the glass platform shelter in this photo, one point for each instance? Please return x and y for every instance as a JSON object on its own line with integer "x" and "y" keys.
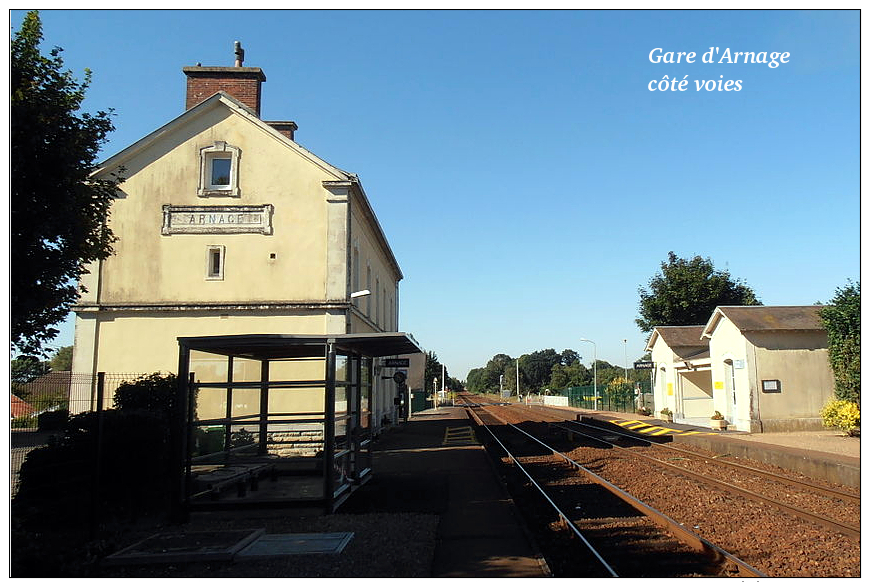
{"x": 276, "y": 420}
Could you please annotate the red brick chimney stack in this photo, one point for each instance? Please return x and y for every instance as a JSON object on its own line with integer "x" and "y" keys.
{"x": 243, "y": 83}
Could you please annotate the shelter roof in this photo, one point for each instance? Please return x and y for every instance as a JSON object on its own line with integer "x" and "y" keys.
{"x": 679, "y": 336}
{"x": 767, "y": 318}
{"x": 282, "y": 347}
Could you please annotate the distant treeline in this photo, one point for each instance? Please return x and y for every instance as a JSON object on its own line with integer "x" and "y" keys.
{"x": 545, "y": 370}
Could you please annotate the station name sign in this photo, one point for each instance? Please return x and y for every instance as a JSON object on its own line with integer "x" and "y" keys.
{"x": 217, "y": 219}
{"x": 644, "y": 365}
{"x": 397, "y": 363}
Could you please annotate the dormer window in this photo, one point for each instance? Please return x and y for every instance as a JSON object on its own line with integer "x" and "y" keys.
{"x": 219, "y": 170}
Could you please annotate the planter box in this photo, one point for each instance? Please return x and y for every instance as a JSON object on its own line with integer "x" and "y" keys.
{"x": 719, "y": 424}
{"x": 665, "y": 417}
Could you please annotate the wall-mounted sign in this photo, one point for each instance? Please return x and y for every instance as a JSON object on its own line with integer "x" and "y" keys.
{"x": 397, "y": 363}
{"x": 217, "y": 219}
{"x": 644, "y": 365}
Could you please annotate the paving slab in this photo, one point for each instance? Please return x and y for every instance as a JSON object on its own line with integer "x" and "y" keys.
{"x": 432, "y": 464}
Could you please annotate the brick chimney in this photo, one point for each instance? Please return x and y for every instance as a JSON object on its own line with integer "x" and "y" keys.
{"x": 243, "y": 83}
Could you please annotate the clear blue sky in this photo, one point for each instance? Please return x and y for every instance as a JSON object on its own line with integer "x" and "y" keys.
{"x": 526, "y": 178}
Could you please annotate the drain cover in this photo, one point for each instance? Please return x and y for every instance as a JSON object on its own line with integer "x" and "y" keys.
{"x": 294, "y": 544}
{"x": 186, "y": 547}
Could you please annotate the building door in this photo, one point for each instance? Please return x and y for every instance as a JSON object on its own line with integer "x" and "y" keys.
{"x": 730, "y": 392}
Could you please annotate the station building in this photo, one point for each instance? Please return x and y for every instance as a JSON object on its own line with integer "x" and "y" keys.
{"x": 227, "y": 228}
{"x": 764, "y": 368}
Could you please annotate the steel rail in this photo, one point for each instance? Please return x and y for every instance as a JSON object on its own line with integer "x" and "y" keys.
{"x": 562, "y": 517}
{"x": 842, "y": 495}
{"x": 794, "y": 511}
{"x": 680, "y": 532}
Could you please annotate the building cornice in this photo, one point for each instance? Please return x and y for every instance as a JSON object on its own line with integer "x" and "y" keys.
{"x": 212, "y": 306}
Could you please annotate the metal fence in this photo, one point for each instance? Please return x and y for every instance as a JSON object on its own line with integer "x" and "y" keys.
{"x": 39, "y": 410}
{"x": 627, "y": 401}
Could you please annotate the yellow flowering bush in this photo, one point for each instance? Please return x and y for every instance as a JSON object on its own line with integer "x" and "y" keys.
{"x": 842, "y": 414}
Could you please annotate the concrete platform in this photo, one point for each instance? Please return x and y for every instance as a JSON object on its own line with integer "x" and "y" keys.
{"x": 433, "y": 464}
{"x": 825, "y": 455}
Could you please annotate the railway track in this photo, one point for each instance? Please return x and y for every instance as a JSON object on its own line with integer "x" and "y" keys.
{"x": 778, "y": 524}
{"x": 620, "y": 534}
{"x": 845, "y": 505}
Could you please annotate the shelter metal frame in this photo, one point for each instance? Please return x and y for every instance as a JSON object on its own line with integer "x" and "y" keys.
{"x": 344, "y": 462}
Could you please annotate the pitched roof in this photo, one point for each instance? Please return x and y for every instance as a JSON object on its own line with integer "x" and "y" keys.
{"x": 20, "y": 408}
{"x": 240, "y": 109}
{"x": 678, "y": 336}
{"x": 767, "y": 318}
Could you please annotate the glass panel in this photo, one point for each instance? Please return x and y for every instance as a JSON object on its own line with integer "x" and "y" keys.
{"x": 365, "y": 411}
{"x": 220, "y": 171}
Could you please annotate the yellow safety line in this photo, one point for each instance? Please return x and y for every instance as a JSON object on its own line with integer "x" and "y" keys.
{"x": 654, "y": 429}
{"x": 459, "y": 435}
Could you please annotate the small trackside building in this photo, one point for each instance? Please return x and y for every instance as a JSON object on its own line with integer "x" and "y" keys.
{"x": 769, "y": 366}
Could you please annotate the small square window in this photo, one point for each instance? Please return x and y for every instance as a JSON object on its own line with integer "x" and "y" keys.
{"x": 771, "y": 386}
{"x": 215, "y": 263}
{"x": 220, "y": 173}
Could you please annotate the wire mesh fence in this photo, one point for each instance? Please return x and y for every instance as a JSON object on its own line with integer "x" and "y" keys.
{"x": 626, "y": 400}
{"x": 40, "y": 409}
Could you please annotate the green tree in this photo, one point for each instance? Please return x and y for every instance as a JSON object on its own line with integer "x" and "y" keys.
{"x": 842, "y": 320}
{"x": 537, "y": 367}
{"x": 62, "y": 360}
{"x": 474, "y": 380}
{"x": 570, "y": 357}
{"x": 686, "y": 292}
{"x": 432, "y": 371}
{"x": 57, "y": 211}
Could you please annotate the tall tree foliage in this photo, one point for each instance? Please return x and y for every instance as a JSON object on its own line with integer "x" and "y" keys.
{"x": 842, "y": 320}
{"x": 687, "y": 291}
{"x": 58, "y": 212}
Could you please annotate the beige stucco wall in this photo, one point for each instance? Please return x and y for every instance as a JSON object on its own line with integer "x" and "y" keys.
{"x": 797, "y": 359}
{"x": 378, "y": 311}
{"x": 664, "y": 380}
{"x": 149, "y": 266}
{"x": 697, "y": 394}
{"x": 142, "y": 342}
{"x": 727, "y": 343}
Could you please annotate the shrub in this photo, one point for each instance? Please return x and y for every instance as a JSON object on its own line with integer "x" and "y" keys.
{"x": 154, "y": 392}
{"x": 717, "y": 416}
{"x": 842, "y": 414}
{"x": 842, "y": 320}
{"x": 135, "y": 459}
{"x": 53, "y": 419}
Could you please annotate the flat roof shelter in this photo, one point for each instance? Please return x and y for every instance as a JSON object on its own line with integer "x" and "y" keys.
{"x": 298, "y": 435}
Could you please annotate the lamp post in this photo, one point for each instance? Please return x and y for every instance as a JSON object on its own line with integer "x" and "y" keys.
{"x": 625, "y": 347}
{"x": 594, "y": 371}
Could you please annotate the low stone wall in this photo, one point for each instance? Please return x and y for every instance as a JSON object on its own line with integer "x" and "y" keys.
{"x": 301, "y": 441}
{"x": 555, "y": 400}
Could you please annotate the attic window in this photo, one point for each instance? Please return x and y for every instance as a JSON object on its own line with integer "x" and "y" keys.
{"x": 219, "y": 170}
